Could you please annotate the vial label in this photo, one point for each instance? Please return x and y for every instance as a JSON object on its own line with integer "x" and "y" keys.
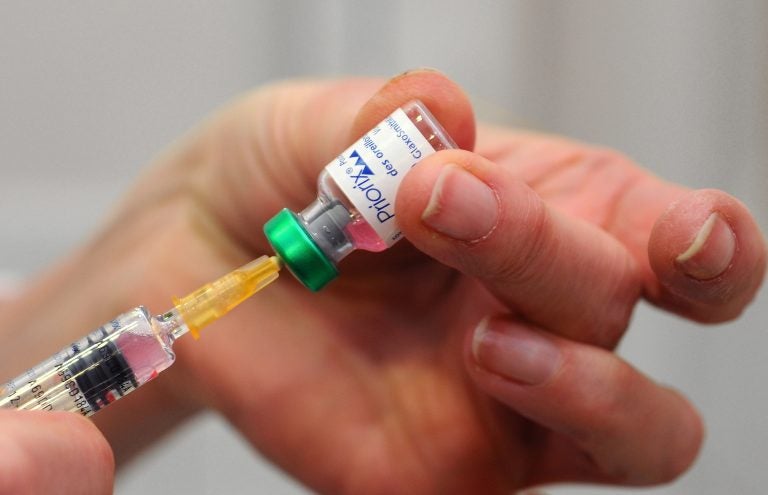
{"x": 370, "y": 171}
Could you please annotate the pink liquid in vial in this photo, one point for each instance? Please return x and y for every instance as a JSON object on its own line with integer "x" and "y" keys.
{"x": 364, "y": 237}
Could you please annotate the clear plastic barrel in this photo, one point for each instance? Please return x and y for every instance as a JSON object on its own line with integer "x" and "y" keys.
{"x": 89, "y": 374}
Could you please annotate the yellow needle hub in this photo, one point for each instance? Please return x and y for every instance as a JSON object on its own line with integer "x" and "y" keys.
{"x": 212, "y": 301}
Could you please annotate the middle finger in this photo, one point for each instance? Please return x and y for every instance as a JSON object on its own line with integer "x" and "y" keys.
{"x": 562, "y": 273}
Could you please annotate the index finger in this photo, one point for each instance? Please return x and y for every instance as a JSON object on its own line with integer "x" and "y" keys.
{"x": 658, "y": 222}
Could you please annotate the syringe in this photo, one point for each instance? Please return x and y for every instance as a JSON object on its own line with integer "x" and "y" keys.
{"x": 131, "y": 349}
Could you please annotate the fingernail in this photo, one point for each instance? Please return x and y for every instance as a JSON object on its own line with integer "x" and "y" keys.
{"x": 711, "y": 251}
{"x": 515, "y": 353}
{"x": 461, "y": 206}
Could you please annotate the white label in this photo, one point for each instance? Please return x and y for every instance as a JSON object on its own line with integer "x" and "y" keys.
{"x": 370, "y": 171}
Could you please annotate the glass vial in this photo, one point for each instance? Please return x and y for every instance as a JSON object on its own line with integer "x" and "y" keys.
{"x": 355, "y": 206}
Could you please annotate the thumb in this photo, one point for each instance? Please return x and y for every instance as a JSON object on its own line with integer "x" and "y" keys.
{"x": 265, "y": 151}
{"x": 53, "y": 452}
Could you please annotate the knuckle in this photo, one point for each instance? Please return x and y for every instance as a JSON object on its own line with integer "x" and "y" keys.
{"x": 597, "y": 158}
{"x": 618, "y": 380}
{"x": 609, "y": 325}
{"x": 525, "y": 258}
{"x": 603, "y": 401}
{"x": 671, "y": 434}
{"x": 686, "y": 441}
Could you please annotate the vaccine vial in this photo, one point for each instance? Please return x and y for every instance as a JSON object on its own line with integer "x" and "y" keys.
{"x": 355, "y": 205}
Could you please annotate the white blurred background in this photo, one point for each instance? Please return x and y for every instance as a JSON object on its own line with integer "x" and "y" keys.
{"x": 91, "y": 91}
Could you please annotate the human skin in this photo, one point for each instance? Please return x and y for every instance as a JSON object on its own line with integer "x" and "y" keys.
{"x": 381, "y": 383}
{"x": 53, "y": 452}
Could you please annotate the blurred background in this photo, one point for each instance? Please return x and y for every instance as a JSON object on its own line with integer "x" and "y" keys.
{"x": 91, "y": 91}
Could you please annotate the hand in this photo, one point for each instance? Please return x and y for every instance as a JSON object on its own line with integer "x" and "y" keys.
{"x": 55, "y": 452}
{"x": 372, "y": 385}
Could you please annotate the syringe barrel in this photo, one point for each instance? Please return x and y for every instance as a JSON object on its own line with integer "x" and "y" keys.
{"x": 87, "y": 375}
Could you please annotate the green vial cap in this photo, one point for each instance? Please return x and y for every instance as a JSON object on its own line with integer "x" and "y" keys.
{"x": 298, "y": 251}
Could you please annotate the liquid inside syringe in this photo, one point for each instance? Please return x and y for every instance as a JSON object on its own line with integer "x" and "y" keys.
{"x": 131, "y": 349}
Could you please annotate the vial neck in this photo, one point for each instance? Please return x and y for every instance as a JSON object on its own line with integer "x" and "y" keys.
{"x": 326, "y": 221}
